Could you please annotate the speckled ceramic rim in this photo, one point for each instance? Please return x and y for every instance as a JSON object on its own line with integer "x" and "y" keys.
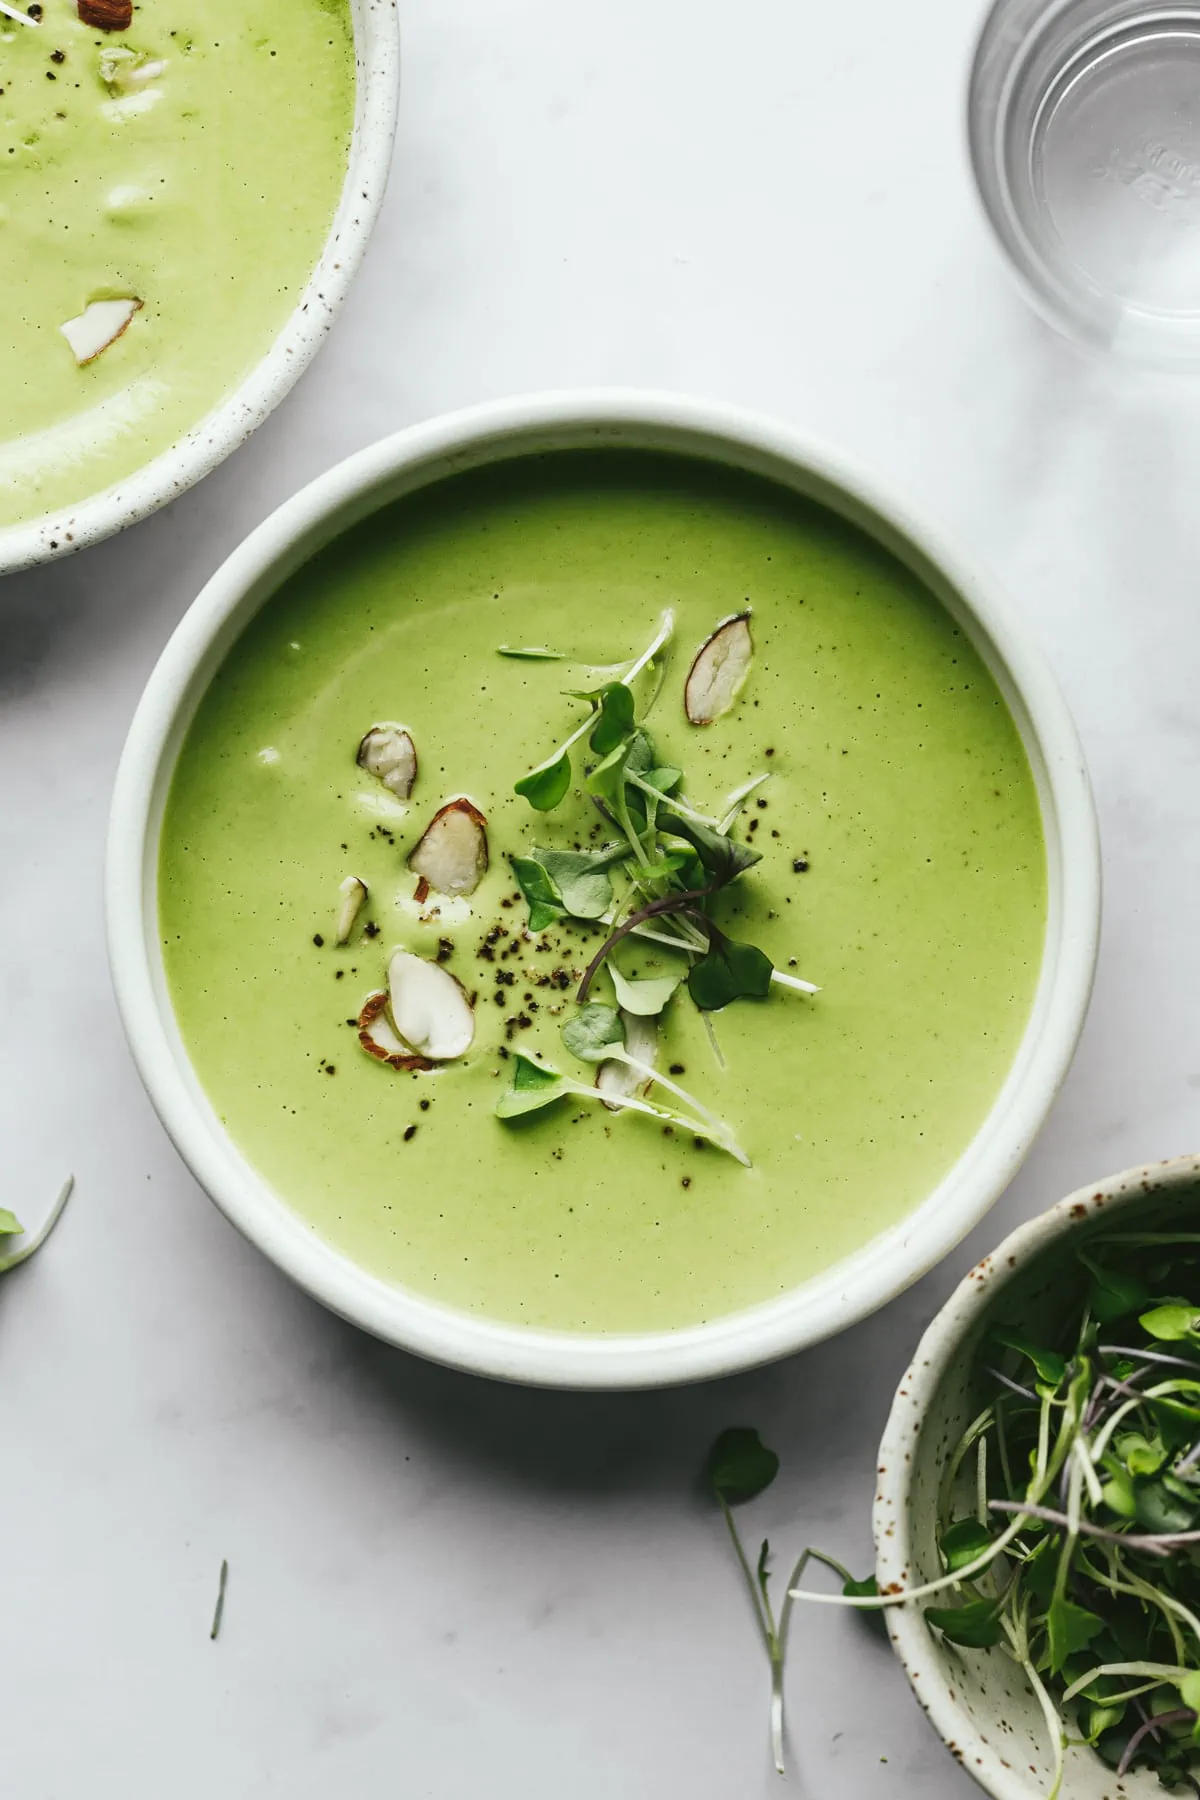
{"x": 941, "y": 1345}
{"x": 358, "y": 487}
{"x": 377, "y": 63}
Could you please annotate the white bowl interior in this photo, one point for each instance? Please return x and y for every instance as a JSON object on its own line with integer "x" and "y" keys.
{"x": 209, "y": 442}
{"x": 361, "y": 486}
{"x": 978, "y": 1700}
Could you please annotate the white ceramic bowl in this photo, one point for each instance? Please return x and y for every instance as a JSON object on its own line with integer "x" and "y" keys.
{"x": 977, "y": 1699}
{"x": 377, "y": 94}
{"x": 360, "y": 486}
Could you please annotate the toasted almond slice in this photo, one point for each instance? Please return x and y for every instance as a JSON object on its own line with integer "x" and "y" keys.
{"x": 641, "y": 1041}
{"x": 354, "y": 897}
{"x": 721, "y": 665}
{"x": 378, "y": 1039}
{"x": 106, "y": 15}
{"x": 452, "y": 855}
{"x": 388, "y": 752}
{"x": 100, "y": 324}
{"x": 429, "y": 1007}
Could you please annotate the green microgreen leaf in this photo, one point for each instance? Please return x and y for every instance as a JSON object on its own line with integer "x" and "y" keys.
{"x": 1097, "y": 1719}
{"x": 615, "y": 723}
{"x": 545, "y": 786}
{"x": 723, "y": 857}
{"x": 1164, "y": 1506}
{"x": 582, "y": 879}
{"x": 1051, "y": 1368}
{"x": 644, "y": 997}
{"x": 740, "y": 1466}
{"x": 1173, "y": 1323}
{"x": 975, "y": 1624}
{"x": 594, "y": 1032}
{"x": 532, "y": 1088}
{"x": 530, "y": 653}
{"x": 10, "y": 1225}
{"x": 1115, "y": 1293}
{"x": 729, "y": 971}
{"x": 963, "y": 1541}
{"x": 866, "y": 1589}
{"x": 1118, "y": 1495}
{"x": 542, "y": 897}
{"x": 1069, "y": 1628}
{"x": 1140, "y": 1456}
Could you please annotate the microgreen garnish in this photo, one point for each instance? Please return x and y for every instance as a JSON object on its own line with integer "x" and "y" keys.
{"x": 10, "y": 1226}
{"x": 531, "y": 653}
{"x": 536, "y": 1085}
{"x": 664, "y": 876}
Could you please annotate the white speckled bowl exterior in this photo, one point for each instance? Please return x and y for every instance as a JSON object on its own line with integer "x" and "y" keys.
{"x": 427, "y": 453}
{"x": 377, "y": 64}
{"x": 978, "y": 1700}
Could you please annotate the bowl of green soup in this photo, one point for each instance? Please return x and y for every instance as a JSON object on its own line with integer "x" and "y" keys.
{"x": 176, "y": 247}
{"x": 598, "y": 894}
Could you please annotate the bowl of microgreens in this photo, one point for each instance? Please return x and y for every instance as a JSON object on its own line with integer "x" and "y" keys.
{"x": 1037, "y": 1517}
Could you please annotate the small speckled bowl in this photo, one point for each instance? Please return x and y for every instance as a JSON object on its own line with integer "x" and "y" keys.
{"x": 377, "y": 75}
{"x": 978, "y": 1700}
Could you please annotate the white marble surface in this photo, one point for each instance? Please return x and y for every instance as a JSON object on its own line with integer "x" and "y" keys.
{"x": 439, "y": 1587}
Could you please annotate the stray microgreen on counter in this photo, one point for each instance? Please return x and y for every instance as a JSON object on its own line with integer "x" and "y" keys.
{"x": 10, "y": 1226}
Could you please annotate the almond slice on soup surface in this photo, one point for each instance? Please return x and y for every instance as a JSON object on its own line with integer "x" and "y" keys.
{"x": 353, "y": 897}
{"x": 388, "y": 753}
{"x": 100, "y": 324}
{"x": 379, "y": 1039}
{"x": 429, "y": 1008}
{"x": 106, "y": 15}
{"x": 720, "y": 667}
{"x": 641, "y": 1041}
{"x": 452, "y": 855}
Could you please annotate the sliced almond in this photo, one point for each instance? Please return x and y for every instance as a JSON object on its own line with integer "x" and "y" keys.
{"x": 429, "y": 1007}
{"x": 100, "y": 324}
{"x": 641, "y": 1041}
{"x": 388, "y": 753}
{"x": 721, "y": 665}
{"x": 379, "y": 1039}
{"x": 106, "y": 15}
{"x": 452, "y": 855}
{"x": 353, "y": 893}
{"x": 120, "y": 66}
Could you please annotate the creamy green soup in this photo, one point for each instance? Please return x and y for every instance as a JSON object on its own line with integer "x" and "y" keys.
{"x": 902, "y": 869}
{"x": 192, "y": 162}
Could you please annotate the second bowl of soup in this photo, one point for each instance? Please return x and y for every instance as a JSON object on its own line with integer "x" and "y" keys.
{"x": 596, "y": 896}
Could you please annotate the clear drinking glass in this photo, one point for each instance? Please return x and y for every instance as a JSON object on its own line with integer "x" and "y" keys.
{"x": 1084, "y": 124}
